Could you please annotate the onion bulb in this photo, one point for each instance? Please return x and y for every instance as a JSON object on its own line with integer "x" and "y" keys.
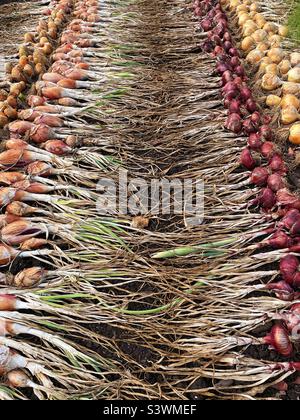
{"x": 248, "y": 44}
{"x": 250, "y": 28}
{"x": 275, "y": 41}
{"x": 276, "y": 55}
{"x": 259, "y": 36}
{"x": 271, "y": 27}
{"x": 295, "y": 59}
{"x": 284, "y": 67}
{"x": 263, "y": 47}
{"x": 289, "y": 115}
{"x": 290, "y": 100}
{"x": 290, "y": 88}
{"x": 283, "y": 31}
{"x": 294, "y": 75}
{"x": 273, "y": 100}
{"x": 272, "y": 69}
{"x": 264, "y": 63}
{"x": 294, "y": 137}
{"x": 270, "y": 82}
{"x": 254, "y": 56}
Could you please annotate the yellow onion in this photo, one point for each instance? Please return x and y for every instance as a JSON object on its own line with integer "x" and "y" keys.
{"x": 284, "y": 67}
{"x": 290, "y": 100}
{"x": 273, "y": 100}
{"x": 290, "y": 88}
{"x": 294, "y": 75}
{"x": 272, "y": 69}
{"x": 243, "y": 18}
{"x": 28, "y": 70}
{"x": 29, "y": 37}
{"x": 275, "y": 41}
{"x": 295, "y": 59}
{"x": 11, "y": 100}
{"x": 234, "y": 4}
{"x": 10, "y": 112}
{"x": 16, "y": 74}
{"x": 295, "y": 134}
{"x": 270, "y": 82}
{"x": 263, "y": 47}
{"x": 271, "y": 27}
{"x": 254, "y": 56}
{"x": 248, "y": 43}
{"x": 249, "y": 29}
{"x": 252, "y": 14}
{"x": 242, "y": 8}
{"x": 3, "y": 95}
{"x": 283, "y": 31}
{"x": 260, "y": 21}
{"x": 259, "y": 35}
{"x": 265, "y": 61}
{"x": 254, "y": 7}
{"x": 276, "y": 55}
{"x": 289, "y": 115}
{"x": 23, "y": 61}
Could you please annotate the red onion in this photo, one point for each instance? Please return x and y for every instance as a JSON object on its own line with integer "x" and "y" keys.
{"x": 234, "y": 124}
{"x": 216, "y": 39}
{"x": 254, "y": 141}
{"x": 218, "y": 50}
{"x": 245, "y": 93}
{"x": 280, "y": 240}
{"x": 295, "y": 229}
{"x": 282, "y": 290}
{"x": 227, "y": 36}
{"x": 206, "y": 24}
{"x": 275, "y": 182}
{"x": 259, "y": 176}
{"x": 251, "y": 106}
{"x": 249, "y": 126}
{"x": 235, "y": 107}
{"x": 231, "y": 94}
{"x": 226, "y": 77}
{"x": 291, "y": 217}
{"x": 268, "y": 149}
{"x": 279, "y": 340}
{"x": 238, "y": 81}
{"x": 266, "y": 132}
{"x": 247, "y": 159}
{"x": 227, "y": 46}
{"x": 221, "y": 28}
{"x": 223, "y": 67}
{"x": 235, "y": 62}
{"x": 284, "y": 197}
{"x": 207, "y": 46}
{"x": 276, "y": 163}
{"x": 239, "y": 71}
{"x": 229, "y": 86}
{"x": 267, "y": 199}
{"x": 288, "y": 267}
{"x": 234, "y": 52}
{"x": 255, "y": 118}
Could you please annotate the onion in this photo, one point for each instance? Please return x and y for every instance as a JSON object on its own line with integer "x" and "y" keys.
{"x": 270, "y": 82}
{"x": 267, "y": 200}
{"x": 295, "y": 59}
{"x": 254, "y": 57}
{"x": 239, "y": 71}
{"x": 271, "y": 27}
{"x": 294, "y": 75}
{"x": 266, "y": 132}
{"x": 289, "y": 115}
{"x": 290, "y": 100}
{"x": 276, "y": 163}
{"x": 273, "y": 100}
{"x": 249, "y": 126}
{"x": 284, "y": 67}
{"x": 245, "y": 93}
{"x": 259, "y": 176}
{"x": 234, "y": 123}
{"x": 285, "y": 198}
{"x": 290, "y": 88}
{"x": 283, "y": 31}
{"x": 235, "y": 107}
{"x": 294, "y": 136}
{"x": 275, "y": 182}
{"x": 226, "y": 77}
{"x": 234, "y": 52}
{"x": 282, "y": 290}
{"x": 248, "y": 43}
{"x": 223, "y": 67}
{"x": 272, "y": 69}
{"x": 280, "y": 341}
{"x": 235, "y": 62}
{"x": 247, "y": 159}
{"x": 291, "y": 217}
{"x": 263, "y": 47}
{"x": 259, "y": 36}
{"x": 254, "y": 141}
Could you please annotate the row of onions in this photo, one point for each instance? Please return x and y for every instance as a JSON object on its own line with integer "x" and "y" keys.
{"x": 263, "y": 44}
{"x": 36, "y": 150}
{"x": 34, "y": 57}
{"x": 261, "y": 156}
